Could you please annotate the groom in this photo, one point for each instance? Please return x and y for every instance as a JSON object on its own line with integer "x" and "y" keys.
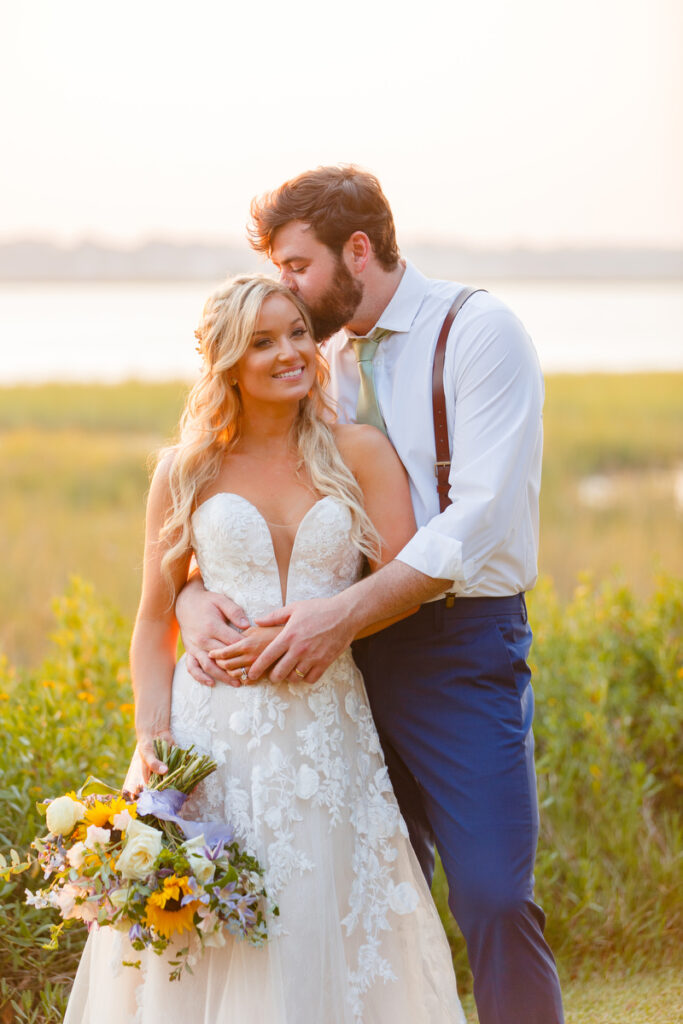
{"x": 449, "y": 686}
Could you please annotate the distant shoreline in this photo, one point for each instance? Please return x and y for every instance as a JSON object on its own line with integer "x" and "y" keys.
{"x": 155, "y": 262}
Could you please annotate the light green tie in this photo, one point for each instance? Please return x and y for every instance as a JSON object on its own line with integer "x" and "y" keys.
{"x": 367, "y": 410}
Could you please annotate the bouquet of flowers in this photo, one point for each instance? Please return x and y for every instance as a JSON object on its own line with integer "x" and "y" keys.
{"x": 131, "y": 862}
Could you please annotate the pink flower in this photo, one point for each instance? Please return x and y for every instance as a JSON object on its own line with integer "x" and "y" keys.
{"x": 96, "y": 836}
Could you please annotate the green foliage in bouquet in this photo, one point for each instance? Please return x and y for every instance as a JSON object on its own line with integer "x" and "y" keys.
{"x": 129, "y": 861}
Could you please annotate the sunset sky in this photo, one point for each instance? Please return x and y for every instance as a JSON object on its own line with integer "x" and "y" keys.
{"x": 493, "y": 122}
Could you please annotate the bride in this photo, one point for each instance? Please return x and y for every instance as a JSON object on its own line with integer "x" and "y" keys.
{"x": 277, "y": 503}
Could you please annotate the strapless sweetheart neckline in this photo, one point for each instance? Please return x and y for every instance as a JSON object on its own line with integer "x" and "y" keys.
{"x": 284, "y": 577}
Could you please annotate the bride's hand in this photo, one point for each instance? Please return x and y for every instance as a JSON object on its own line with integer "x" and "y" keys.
{"x": 238, "y": 658}
{"x": 149, "y": 759}
{"x": 206, "y": 621}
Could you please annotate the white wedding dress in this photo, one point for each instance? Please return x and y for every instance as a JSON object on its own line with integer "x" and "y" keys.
{"x": 302, "y": 781}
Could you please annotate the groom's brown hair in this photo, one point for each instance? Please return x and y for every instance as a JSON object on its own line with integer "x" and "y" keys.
{"x": 335, "y": 201}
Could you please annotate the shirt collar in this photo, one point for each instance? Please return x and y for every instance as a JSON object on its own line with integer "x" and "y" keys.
{"x": 398, "y": 315}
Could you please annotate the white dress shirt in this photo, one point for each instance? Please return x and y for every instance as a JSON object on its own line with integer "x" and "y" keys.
{"x": 486, "y": 541}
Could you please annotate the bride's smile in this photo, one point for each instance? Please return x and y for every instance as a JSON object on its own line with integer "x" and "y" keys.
{"x": 280, "y": 363}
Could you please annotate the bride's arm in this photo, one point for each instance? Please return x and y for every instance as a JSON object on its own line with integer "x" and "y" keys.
{"x": 155, "y": 635}
{"x": 206, "y": 621}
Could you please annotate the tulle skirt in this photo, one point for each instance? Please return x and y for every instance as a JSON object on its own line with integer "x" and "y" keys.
{"x": 302, "y": 782}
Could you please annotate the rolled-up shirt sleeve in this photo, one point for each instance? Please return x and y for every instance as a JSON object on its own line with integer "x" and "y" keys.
{"x": 494, "y": 395}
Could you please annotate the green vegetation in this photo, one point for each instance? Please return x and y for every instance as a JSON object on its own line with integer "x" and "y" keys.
{"x": 655, "y": 997}
{"x": 609, "y": 732}
{"x": 73, "y": 475}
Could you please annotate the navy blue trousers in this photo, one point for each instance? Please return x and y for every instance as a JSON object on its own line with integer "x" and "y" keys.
{"x": 451, "y": 695}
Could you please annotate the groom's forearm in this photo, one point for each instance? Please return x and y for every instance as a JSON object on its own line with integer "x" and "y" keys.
{"x": 390, "y": 592}
{"x": 317, "y": 631}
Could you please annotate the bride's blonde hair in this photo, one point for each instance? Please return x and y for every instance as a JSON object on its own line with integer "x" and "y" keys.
{"x": 210, "y": 423}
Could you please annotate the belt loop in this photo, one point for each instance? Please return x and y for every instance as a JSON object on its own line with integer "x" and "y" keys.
{"x": 525, "y": 617}
{"x": 450, "y": 600}
{"x": 438, "y": 607}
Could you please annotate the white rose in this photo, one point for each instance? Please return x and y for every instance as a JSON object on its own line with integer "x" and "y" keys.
{"x": 202, "y": 868}
{"x": 76, "y": 855}
{"x": 63, "y": 815}
{"x": 143, "y": 845}
{"x": 403, "y": 898}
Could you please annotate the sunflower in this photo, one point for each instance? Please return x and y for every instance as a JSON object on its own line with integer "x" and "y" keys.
{"x": 164, "y": 912}
{"x": 102, "y": 814}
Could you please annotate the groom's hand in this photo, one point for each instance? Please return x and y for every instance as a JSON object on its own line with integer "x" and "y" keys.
{"x": 207, "y": 621}
{"x": 315, "y": 633}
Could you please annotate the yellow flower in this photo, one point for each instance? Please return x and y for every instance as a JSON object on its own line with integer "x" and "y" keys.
{"x": 127, "y": 709}
{"x": 164, "y": 912}
{"x": 103, "y": 814}
{"x": 87, "y": 697}
{"x": 98, "y": 814}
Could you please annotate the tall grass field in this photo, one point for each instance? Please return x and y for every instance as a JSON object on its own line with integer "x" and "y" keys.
{"x": 608, "y": 669}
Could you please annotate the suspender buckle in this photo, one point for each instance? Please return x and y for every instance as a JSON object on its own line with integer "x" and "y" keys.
{"x": 438, "y": 465}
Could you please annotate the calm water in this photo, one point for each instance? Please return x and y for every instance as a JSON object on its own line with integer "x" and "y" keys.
{"x": 110, "y": 332}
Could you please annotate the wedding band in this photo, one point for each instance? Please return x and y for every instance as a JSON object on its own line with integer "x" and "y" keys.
{"x": 301, "y": 675}
{"x": 244, "y": 675}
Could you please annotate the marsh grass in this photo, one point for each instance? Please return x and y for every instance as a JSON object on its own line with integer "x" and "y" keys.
{"x": 133, "y": 407}
{"x": 72, "y": 503}
{"x": 74, "y": 470}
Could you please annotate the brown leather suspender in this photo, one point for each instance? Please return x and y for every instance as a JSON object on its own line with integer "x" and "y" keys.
{"x": 442, "y": 466}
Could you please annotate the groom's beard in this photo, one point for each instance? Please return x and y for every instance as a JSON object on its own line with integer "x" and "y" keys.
{"x": 337, "y": 305}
